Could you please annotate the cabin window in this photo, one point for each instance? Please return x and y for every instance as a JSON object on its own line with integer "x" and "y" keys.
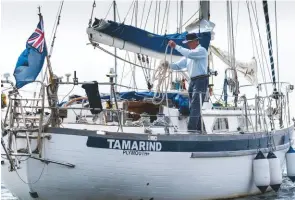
{"x": 220, "y": 124}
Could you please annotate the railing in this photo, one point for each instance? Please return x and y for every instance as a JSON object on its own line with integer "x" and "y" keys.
{"x": 260, "y": 107}
{"x": 13, "y": 124}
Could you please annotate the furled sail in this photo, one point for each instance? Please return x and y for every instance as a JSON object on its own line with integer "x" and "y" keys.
{"x": 137, "y": 40}
{"x": 249, "y": 70}
{"x": 201, "y": 26}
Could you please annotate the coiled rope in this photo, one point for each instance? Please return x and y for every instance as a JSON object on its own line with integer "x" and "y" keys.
{"x": 163, "y": 76}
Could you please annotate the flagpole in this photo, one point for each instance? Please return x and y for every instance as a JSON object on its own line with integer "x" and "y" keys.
{"x": 52, "y": 97}
{"x": 45, "y": 45}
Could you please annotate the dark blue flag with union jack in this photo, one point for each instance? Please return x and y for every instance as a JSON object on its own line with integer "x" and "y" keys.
{"x": 37, "y": 39}
{"x": 31, "y": 60}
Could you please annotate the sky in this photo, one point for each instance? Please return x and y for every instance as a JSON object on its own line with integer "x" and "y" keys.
{"x": 72, "y": 52}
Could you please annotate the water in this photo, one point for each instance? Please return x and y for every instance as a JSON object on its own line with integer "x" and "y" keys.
{"x": 287, "y": 192}
{"x": 5, "y": 194}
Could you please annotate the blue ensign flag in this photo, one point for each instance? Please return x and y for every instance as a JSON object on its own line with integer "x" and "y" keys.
{"x": 31, "y": 60}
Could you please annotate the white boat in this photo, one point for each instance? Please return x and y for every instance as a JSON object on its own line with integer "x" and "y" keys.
{"x": 141, "y": 149}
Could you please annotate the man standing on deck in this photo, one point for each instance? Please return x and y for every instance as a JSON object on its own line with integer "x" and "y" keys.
{"x": 195, "y": 60}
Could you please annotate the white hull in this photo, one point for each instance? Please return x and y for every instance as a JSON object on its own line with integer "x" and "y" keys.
{"x": 109, "y": 174}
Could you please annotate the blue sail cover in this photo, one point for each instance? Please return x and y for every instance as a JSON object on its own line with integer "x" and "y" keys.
{"x": 147, "y": 39}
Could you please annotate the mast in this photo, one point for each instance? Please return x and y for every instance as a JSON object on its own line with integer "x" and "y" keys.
{"x": 180, "y": 17}
{"x": 114, "y": 6}
{"x": 205, "y": 14}
{"x": 231, "y": 47}
{"x": 204, "y": 10}
{"x": 270, "y": 51}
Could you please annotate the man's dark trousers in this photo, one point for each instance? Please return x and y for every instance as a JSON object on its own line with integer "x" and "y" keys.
{"x": 196, "y": 86}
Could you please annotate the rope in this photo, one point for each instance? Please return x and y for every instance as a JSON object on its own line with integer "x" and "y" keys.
{"x": 162, "y": 75}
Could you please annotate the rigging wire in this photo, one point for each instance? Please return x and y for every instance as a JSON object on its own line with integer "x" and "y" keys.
{"x": 155, "y": 18}
{"x": 109, "y": 10}
{"x": 277, "y": 54}
{"x": 252, "y": 32}
{"x": 167, "y": 18}
{"x": 135, "y": 21}
{"x": 261, "y": 63}
{"x": 277, "y": 46}
{"x": 122, "y": 58}
{"x": 190, "y": 18}
{"x": 57, "y": 18}
{"x": 143, "y": 10}
{"x": 54, "y": 36}
{"x": 177, "y": 23}
{"x": 148, "y": 14}
{"x": 90, "y": 20}
{"x": 34, "y": 181}
{"x": 136, "y": 12}
{"x": 123, "y": 71}
{"x": 128, "y": 11}
{"x": 134, "y": 16}
{"x": 159, "y": 17}
{"x": 67, "y": 94}
{"x": 260, "y": 39}
{"x": 236, "y": 35}
{"x": 163, "y": 20}
{"x": 117, "y": 11}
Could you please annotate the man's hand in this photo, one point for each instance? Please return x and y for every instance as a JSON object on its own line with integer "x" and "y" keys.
{"x": 172, "y": 44}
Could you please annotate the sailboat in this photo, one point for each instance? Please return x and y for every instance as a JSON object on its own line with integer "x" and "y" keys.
{"x": 135, "y": 145}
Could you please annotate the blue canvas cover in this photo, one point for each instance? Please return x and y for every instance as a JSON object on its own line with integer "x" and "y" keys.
{"x": 180, "y": 101}
{"x": 147, "y": 39}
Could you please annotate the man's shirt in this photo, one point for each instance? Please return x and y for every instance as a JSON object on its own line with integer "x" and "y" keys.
{"x": 195, "y": 60}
